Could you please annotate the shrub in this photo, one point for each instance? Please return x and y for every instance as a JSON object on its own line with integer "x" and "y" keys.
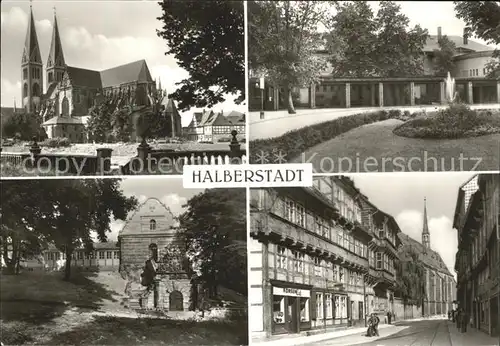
{"x": 456, "y": 121}
{"x": 56, "y": 142}
{"x": 295, "y": 142}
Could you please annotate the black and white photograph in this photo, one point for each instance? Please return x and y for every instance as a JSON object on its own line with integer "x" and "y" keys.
{"x": 376, "y": 259}
{"x": 122, "y": 262}
{"x": 374, "y": 86}
{"x": 121, "y": 87}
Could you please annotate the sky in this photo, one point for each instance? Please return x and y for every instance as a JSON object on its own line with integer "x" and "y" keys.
{"x": 92, "y": 39}
{"x": 168, "y": 190}
{"x": 402, "y": 196}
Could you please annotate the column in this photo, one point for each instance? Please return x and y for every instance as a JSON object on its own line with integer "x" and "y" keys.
{"x": 381, "y": 94}
{"x": 412, "y": 93}
{"x": 498, "y": 95}
{"x": 312, "y": 95}
{"x": 442, "y": 92}
{"x": 372, "y": 91}
{"x": 276, "y": 98}
{"x": 347, "y": 95}
{"x": 470, "y": 97}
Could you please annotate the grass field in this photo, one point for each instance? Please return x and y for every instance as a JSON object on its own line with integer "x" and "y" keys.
{"x": 40, "y": 308}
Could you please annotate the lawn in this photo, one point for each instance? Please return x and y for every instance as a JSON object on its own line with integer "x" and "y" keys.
{"x": 374, "y": 147}
{"x": 40, "y": 308}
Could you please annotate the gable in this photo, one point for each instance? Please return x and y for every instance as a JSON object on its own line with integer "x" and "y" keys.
{"x": 139, "y": 222}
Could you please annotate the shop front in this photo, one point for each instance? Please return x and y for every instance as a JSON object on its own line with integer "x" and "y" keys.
{"x": 291, "y": 309}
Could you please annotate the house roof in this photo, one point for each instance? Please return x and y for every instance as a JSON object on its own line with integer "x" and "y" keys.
{"x": 236, "y": 118}
{"x": 83, "y": 77}
{"x": 131, "y": 72}
{"x": 429, "y": 257}
{"x": 97, "y": 246}
{"x": 58, "y": 120}
{"x": 432, "y": 43}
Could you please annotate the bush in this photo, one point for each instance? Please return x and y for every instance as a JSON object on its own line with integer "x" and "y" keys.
{"x": 295, "y": 142}
{"x": 456, "y": 121}
{"x": 56, "y": 142}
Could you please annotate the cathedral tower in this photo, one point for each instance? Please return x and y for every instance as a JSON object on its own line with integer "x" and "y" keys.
{"x": 56, "y": 65}
{"x": 31, "y": 69}
{"x": 426, "y": 237}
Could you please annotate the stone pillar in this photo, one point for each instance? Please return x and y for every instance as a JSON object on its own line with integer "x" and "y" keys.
{"x": 470, "y": 95}
{"x": 347, "y": 95}
{"x": 372, "y": 92}
{"x": 276, "y": 98}
{"x": 103, "y": 161}
{"x": 381, "y": 94}
{"x": 412, "y": 93}
{"x": 235, "y": 149}
{"x": 142, "y": 163}
{"x": 442, "y": 92}
{"x": 157, "y": 294}
{"x": 312, "y": 95}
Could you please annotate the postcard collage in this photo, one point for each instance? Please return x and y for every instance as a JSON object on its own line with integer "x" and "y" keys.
{"x": 253, "y": 172}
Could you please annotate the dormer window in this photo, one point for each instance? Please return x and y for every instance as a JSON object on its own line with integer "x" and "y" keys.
{"x": 152, "y": 225}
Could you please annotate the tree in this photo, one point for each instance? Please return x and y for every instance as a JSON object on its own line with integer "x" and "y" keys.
{"x": 411, "y": 278}
{"x": 213, "y": 232}
{"x": 23, "y": 126}
{"x": 65, "y": 212}
{"x": 207, "y": 39}
{"x": 482, "y": 18}
{"x": 99, "y": 124}
{"x": 444, "y": 56}
{"x": 284, "y": 39}
{"x": 384, "y": 46}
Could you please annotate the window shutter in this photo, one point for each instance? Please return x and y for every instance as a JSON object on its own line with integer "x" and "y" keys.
{"x": 313, "y": 305}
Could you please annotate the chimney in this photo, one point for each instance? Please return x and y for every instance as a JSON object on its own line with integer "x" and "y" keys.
{"x": 466, "y": 36}
{"x": 439, "y": 33}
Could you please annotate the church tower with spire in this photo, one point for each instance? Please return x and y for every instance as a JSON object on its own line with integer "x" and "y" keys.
{"x": 31, "y": 69}
{"x": 56, "y": 65}
{"x": 426, "y": 237}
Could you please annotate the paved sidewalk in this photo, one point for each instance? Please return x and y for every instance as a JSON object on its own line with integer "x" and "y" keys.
{"x": 299, "y": 339}
{"x": 471, "y": 337}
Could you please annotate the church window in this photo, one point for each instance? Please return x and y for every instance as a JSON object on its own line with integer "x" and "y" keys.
{"x": 25, "y": 90}
{"x": 152, "y": 225}
{"x": 36, "y": 89}
{"x": 153, "y": 250}
{"x": 65, "y": 106}
{"x": 25, "y": 73}
{"x": 51, "y": 77}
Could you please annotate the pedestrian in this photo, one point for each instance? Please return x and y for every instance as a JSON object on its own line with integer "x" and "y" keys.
{"x": 465, "y": 321}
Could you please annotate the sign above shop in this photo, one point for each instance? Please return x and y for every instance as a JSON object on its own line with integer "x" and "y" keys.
{"x": 291, "y": 292}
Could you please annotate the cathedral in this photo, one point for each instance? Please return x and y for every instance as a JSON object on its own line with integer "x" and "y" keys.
{"x": 72, "y": 91}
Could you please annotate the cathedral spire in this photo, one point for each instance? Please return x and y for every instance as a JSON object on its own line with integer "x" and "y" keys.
{"x": 56, "y": 55}
{"x": 31, "y": 48}
{"x": 425, "y": 231}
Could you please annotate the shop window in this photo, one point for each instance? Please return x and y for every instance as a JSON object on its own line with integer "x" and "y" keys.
{"x": 304, "y": 309}
{"x": 328, "y": 305}
{"x": 281, "y": 257}
{"x": 279, "y": 309}
{"x": 319, "y": 306}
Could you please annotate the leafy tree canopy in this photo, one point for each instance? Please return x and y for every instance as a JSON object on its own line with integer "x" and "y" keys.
{"x": 444, "y": 56}
{"x": 207, "y": 40}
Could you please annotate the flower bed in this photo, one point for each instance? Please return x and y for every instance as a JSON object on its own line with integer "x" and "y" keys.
{"x": 456, "y": 121}
{"x": 295, "y": 142}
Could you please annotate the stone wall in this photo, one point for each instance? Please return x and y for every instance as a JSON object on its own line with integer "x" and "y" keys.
{"x": 169, "y": 289}
{"x": 135, "y": 249}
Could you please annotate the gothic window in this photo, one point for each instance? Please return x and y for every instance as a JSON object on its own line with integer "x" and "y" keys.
{"x": 152, "y": 225}
{"x": 51, "y": 77}
{"x": 65, "y": 106}
{"x": 153, "y": 251}
{"x": 25, "y": 73}
{"x": 25, "y": 90}
{"x": 36, "y": 89}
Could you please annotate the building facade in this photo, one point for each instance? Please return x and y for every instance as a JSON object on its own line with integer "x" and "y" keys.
{"x": 208, "y": 126}
{"x": 477, "y": 219}
{"x": 72, "y": 91}
{"x": 312, "y": 259}
{"x": 472, "y": 85}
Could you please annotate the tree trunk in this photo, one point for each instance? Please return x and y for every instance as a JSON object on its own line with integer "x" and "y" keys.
{"x": 291, "y": 108}
{"x": 67, "y": 267}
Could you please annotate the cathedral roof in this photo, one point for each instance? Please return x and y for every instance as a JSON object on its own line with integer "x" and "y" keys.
{"x": 31, "y": 48}
{"x": 429, "y": 257}
{"x": 83, "y": 77}
{"x": 131, "y": 72}
{"x": 56, "y": 56}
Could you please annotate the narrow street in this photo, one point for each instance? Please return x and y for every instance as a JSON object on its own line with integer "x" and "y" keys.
{"x": 418, "y": 333}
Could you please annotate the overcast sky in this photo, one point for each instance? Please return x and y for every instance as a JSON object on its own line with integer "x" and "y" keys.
{"x": 95, "y": 35}
{"x": 402, "y": 196}
{"x": 168, "y": 190}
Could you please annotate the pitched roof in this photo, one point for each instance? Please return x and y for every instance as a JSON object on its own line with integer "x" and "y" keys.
{"x": 83, "y": 77}
{"x": 131, "y": 72}
{"x": 429, "y": 257}
{"x": 31, "y": 48}
{"x": 58, "y": 120}
{"x": 97, "y": 246}
{"x": 56, "y": 56}
{"x": 236, "y": 118}
{"x": 432, "y": 43}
